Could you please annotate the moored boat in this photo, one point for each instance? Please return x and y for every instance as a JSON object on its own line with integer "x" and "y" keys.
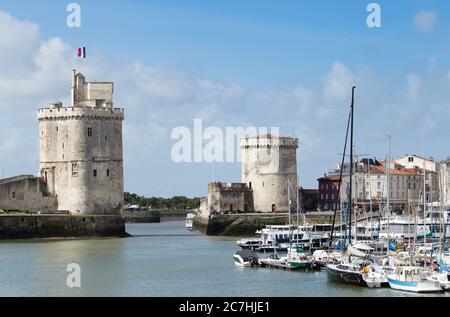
{"x": 246, "y": 258}
{"x": 442, "y": 277}
{"x": 412, "y": 279}
{"x": 348, "y": 273}
{"x": 249, "y": 244}
{"x": 375, "y": 277}
{"x": 189, "y": 221}
{"x": 298, "y": 258}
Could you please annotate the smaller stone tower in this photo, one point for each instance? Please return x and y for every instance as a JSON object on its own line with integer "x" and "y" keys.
{"x": 81, "y": 157}
{"x": 269, "y": 164}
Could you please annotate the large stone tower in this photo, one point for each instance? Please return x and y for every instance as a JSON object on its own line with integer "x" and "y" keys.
{"x": 81, "y": 156}
{"x": 269, "y": 164}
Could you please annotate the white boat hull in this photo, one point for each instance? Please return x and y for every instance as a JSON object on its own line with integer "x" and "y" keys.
{"x": 238, "y": 261}
{"x": 424, "y": 286}
{"x": 375, "y": 280}
{"x": 443, "y": 279}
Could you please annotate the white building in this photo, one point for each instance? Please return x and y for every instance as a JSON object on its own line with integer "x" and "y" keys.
{"x": 444, "y": 168}
{"x": 415, "y": 161}
{"x": 406, "y": 184}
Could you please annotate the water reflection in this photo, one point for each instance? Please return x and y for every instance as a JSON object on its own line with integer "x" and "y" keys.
{"x": 159, "y": 260}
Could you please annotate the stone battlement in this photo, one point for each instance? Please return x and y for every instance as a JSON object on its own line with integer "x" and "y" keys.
{"x": 79, "y": 113}
{"x": 16, "y": 178}
{"x": 227, "y": 187}
{"x": 269, "y": 142}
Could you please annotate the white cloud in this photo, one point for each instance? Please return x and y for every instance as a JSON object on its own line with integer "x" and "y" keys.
{"x": 426, "y": 20}
{"x": 337, "y": 88}
{"x": 17, "y": 40}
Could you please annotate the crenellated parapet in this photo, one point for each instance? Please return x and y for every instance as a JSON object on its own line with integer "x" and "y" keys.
{"x": 268, "y": 142}
{"x": 80, "y": 113}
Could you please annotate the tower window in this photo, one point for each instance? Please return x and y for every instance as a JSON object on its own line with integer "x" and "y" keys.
{"x": 57, "y": 129}
{"x": 89, "y": 131}
{"x": 13, "y": 194}
{"x": 106, "y": 137}
{"x": 63, "y": 145}
{"x": 107, "y": 172}
{"x": 74, "y": 170}
{"x": 95, "y": 173}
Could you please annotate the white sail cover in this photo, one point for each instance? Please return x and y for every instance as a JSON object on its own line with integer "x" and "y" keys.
{"x": 355, "y": 252}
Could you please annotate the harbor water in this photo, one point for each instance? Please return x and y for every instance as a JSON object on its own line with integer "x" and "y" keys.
{"x": 159, "y": 260}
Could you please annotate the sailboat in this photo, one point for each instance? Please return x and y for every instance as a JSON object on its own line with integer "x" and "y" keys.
{"x": 350, "y": 268}
{"x": 417, "y": 279}
{"x": 443, "y": 274}
{"x": 296, "y": 257}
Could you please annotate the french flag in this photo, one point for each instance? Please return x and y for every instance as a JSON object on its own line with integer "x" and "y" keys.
{"x": 81, "y": 52}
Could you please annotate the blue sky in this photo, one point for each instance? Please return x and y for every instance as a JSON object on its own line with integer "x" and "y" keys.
{"x": 266, "y": 61}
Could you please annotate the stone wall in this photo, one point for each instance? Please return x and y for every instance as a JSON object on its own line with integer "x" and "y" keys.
{"x": 26, "y": 193}
{"x": 141, "y": 216}
{"x": 60, "y": 226}
{"x": 247, "y": 225}
{"x": 236, "y": 225}
{"x": 233, "y": 197}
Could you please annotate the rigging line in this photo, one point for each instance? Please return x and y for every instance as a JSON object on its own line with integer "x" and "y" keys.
{"x": 340, "y": 179}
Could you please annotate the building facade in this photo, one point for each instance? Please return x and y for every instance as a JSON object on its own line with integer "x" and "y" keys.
{"x": 328, "y": 192}
{"x": 444, "y": 173}
{"x": 230, "y": 198}
{"x": 415, "y": 161}
{"x": 308, "y": 199}
{"x": 370, "y": 185}
{"x": 26, "y": 192}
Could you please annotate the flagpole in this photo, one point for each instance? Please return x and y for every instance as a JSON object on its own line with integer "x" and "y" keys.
{"x": 85, "y": 61}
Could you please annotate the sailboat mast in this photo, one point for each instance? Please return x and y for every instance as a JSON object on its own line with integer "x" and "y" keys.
{"x": 388, "y": 202}
{"x": 289, "y": 200}
{"x": 338, "y": 195}
{"x": 441, "y": 214}
{"x": 409, "y": 229}
{"x": 350, "y": 201}
{"x": 424, "y": 210}
{"x": 298, "y": 204}
{"x": 289, "y": 210}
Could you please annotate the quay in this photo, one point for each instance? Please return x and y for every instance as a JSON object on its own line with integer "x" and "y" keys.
{"x": 141, "y": 216}
{"x": 24, "y": 226}
{"x": 238, "y": 225}
{"x": 247, "y": 224}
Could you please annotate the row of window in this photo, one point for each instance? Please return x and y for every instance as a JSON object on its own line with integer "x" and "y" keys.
{"x": 75, "y": 168}
{"x": 396, "y": 196}
{"x": 331, "y": 186}
{"x": 322, "y": 196}
{"x": 94, "y": 173}
{"x": 398, "y": 177}
{"x": 89, "y": 133}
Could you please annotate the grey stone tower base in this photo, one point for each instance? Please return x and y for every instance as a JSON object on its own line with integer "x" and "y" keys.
{"x": 61, "y": 226}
